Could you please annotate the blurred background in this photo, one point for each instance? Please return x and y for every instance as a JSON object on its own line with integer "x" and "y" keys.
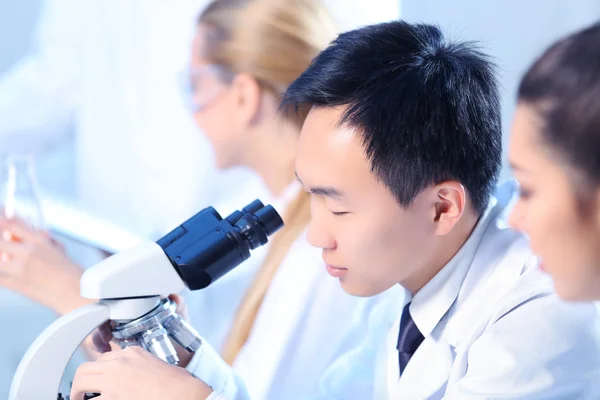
{"x": 91, "y": 113}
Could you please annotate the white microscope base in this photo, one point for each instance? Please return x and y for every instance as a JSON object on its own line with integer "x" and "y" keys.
{"x": 40, "y": 372}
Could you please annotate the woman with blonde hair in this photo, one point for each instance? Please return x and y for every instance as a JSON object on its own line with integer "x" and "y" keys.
{"x": 268, "y": 322}
{"x": 240, "y": 67}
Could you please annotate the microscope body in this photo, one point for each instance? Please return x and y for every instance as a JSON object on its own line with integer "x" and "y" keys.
{"x": 132, "y": 288}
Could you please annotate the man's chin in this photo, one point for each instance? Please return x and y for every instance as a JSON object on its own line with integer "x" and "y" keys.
{"x": 358, "y": 290}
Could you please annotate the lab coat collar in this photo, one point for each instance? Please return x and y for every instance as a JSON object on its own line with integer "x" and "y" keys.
{"x": 433, "y": 301}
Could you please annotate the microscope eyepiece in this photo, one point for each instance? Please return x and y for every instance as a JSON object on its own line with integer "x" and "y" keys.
{"x": 253, "y": 207}
{"x": 269, "y": 219}
{"x": 206, "y": 247}
{"x": 258, "y": 225}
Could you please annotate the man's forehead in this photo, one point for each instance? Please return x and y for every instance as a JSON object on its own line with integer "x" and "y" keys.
{"x": 328, "y": 117}
{"x": 328, "y": 151}
{"x": 322, "y": 129}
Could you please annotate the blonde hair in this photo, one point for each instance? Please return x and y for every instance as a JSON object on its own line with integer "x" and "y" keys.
{"x": 274, "y": 41}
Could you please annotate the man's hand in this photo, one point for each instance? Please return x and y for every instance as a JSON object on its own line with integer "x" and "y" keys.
{"x": 135, "y": 374}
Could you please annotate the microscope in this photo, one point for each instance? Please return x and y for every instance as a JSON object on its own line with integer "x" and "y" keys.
{"x": 132, "y": 289}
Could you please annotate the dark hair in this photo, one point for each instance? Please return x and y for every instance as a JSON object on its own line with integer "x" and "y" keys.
{"x": 428, "y": 110}
{"x": 564, "y": 87}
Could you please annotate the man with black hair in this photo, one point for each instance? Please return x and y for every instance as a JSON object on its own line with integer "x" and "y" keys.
{"x": 401, "y": 151}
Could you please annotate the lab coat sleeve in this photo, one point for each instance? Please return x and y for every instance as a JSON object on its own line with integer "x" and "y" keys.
{"x": 543, "y": 349}
{"x": 210, "y": 368}
{"x": 38, "y": 95}
{"x": 350, "y": 376}
{"x": 216, "y": 396}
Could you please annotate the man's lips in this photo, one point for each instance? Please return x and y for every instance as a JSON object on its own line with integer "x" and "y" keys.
{"x": 336, "y": 272}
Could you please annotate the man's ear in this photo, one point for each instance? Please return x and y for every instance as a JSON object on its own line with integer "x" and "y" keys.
{"x": 450, "y": 203}
{"x": 248, "y": 97}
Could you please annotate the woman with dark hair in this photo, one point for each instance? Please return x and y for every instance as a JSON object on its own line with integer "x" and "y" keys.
{"x": 555, "y": 156}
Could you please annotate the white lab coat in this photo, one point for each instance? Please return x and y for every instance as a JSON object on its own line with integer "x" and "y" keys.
{"x": 302, "y": 304}
{"x": 505, "y": 334}
{"x": 110, "y": 70}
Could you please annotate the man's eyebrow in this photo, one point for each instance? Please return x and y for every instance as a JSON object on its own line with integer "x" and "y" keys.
{"x": 330, "y": 192}
{"x": 327, "y": 192}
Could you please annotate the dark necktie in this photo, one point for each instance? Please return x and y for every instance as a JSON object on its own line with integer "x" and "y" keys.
{"x": 409, "y": 338}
